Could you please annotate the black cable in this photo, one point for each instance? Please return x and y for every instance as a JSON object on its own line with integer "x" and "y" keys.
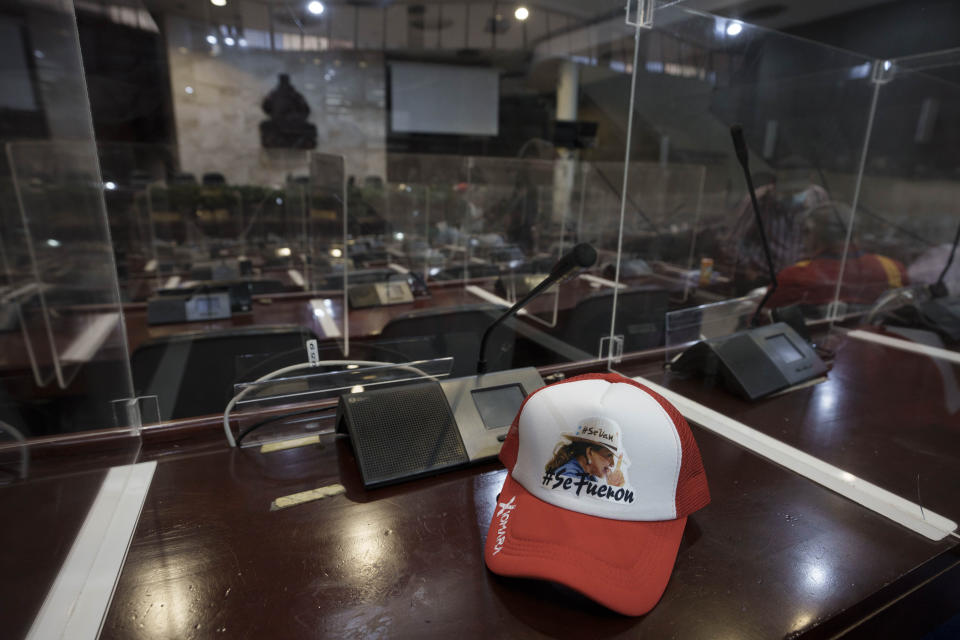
{"x": 953, "y": 252}
{"x": 282, "y": 416}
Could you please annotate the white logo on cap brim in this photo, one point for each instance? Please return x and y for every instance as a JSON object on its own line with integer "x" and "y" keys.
{"x": 503, "y": 513}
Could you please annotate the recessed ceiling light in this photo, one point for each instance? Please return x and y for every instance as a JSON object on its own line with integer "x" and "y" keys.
{"x": 522, "y": 13}
{"x": 229, "y": 41}
{"x": 212, "y": 39}
{"x": 315, "y": 7}
{"x": 734, "y": 29}
{"x": 218, "y": 3}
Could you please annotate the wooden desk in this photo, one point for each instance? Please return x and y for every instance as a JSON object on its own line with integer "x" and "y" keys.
{"x": 295, "y": 309}
{"x": 888, "y": 416}
{"x": 772, "y": 555}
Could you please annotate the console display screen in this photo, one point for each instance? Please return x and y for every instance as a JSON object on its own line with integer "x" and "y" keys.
{"x": 498, "y": 406}
{"x": 784, "y": 349}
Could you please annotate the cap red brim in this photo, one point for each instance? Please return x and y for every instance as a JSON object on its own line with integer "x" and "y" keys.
{"x": 623, "y": 565}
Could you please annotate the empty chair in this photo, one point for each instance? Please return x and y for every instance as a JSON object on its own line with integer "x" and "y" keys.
{"x": 456, "y": 332}
{"x": 640, "y": 319}
{"x": 214, "y": 178}
{"x": 194, "y": 374}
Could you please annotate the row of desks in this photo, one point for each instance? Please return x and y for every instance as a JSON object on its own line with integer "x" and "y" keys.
{"x": 773, "y": 555}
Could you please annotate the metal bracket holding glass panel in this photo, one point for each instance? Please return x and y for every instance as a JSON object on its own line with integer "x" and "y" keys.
{"x": 611, "y": 348}
{"x": 883, "y": 71}
{"x": 640, "y": 13}
{"x": 135, "y": 413}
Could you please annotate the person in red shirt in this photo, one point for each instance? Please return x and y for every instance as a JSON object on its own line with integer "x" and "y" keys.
{"x": 813, "y": 281}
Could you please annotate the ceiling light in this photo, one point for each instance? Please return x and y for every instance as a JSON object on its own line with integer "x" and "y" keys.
{"x": 188, "y": 89}
{"x": 110, "y": 185}
{"x": 315, "y": 7}
{"x": 211, "y": 39}
{"x": 229, "y": 41}
{"x": 734, "y": 29}
{"x": 522, "y": 13}
{"x": 242, "y": 42}
{"x": 218, "y": 3}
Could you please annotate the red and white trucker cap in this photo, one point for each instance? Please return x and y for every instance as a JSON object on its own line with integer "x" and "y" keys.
{"x": 602, "y": 474}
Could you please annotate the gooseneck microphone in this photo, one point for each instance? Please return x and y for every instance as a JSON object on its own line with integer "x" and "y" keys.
{"x": 580, "y": 257}
{"x": 740, "y": 147}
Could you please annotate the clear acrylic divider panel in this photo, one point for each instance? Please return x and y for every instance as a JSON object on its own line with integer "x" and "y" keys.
{"x": 807, "y": 113}
{"x": 420, "y": 203}
{"x": 895, "y": 278}
{"x": 516, "y": 218}
{"x": 329, "y": 263}
{"x": 689, "y": 233}
{"x": 685, "y": 327}
{"x": 64, "y": 352}
{"x": 177, "y": 230}
{"x": 61, "y": 199}
{"x": 291, "y": 406}
{"x": 890, "y": 315}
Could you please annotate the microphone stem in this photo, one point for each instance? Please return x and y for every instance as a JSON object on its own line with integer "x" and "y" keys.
{"x": 537, "y": 290}
{"x": 766, "y": 247}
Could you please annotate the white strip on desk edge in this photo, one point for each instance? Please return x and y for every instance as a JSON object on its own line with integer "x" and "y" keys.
{"x": 483, "y": 294}
{"x": 906, "y": 345}
{"x": 77, "y": 603}
{"x": 296, "y": 276}
{"x": 602, "y": 281}
{"x": 881, "y": 501}
{"x": 325, "y": 318}
{"x": 91, "y": 338}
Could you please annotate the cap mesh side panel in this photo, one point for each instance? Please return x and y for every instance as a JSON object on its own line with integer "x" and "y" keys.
{"x": 692, "y": 490}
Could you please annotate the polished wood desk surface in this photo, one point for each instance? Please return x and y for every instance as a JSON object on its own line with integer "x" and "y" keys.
{"x": 772, "y": 555}
{"x": 888, "y": 416}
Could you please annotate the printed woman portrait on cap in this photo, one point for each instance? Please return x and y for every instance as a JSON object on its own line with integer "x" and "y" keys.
{"x": 592, "y": 451}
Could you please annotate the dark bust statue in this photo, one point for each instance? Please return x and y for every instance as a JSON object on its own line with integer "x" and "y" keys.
{"x": 287, "y": 126}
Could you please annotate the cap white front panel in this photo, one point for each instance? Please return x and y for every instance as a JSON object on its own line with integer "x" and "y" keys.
{"x": 599, "y": 448}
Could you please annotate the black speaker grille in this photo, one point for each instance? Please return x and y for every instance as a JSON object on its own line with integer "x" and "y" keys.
{"x": 403, "y": 432}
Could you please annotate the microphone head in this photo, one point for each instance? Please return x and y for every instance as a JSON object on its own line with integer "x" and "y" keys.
{"x": 580, "y": 257}
{"x": 584, "y": 255}
{"x": 740, "y": 145}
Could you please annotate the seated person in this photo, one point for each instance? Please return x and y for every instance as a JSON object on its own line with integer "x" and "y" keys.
{"x": 743, "y": 253}
{"x": 813, "y": 281}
